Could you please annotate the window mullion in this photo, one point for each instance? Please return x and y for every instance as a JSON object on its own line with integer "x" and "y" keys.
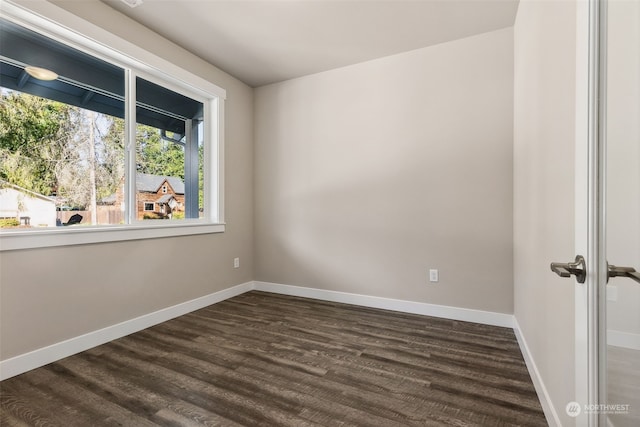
{"x": 191, "y": 169}
{"x": 130, "y": 150}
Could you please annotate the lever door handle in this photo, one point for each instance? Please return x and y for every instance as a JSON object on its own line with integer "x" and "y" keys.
{"x": 630, "y": 272}
{"x": 566, "y": 269}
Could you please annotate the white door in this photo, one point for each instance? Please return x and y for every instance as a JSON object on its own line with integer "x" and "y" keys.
{"x": 607, "y": 195}
{"x": 619, "y": 361}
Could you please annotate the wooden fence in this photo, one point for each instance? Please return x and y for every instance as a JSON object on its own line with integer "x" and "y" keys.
{"x": 106, "y": 215}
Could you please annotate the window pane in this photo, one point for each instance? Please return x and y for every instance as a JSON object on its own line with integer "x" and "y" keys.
{"x": 60, "y": 164}
{"x": 168, "y": 159}
{"x": 61, "y": 137}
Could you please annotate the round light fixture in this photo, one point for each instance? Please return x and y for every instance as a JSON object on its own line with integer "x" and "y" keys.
{"x": 40, "y": 73}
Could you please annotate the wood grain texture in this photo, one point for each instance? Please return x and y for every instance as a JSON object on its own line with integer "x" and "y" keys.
{"x": 263, "y": 359}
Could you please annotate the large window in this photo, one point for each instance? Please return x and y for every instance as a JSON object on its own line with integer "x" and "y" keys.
{"x": 89, "y": 142}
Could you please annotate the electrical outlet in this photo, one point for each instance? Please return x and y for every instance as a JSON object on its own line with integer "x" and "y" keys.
{"x": 433, "y": 275}
{"x": 236, "y": 263}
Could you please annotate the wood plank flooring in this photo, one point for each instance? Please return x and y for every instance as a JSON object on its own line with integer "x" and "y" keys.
{"x": 623, "y": 385}
{"x": 263, "y": 359}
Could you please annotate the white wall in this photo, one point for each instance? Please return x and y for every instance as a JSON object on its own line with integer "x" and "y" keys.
{"x": 369, "y": 175}
{"x": 544, "y": 167}
{"x": 52, "y": 294}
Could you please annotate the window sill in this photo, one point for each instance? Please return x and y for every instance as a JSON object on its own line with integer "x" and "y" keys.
{"x": 11, "y": 240}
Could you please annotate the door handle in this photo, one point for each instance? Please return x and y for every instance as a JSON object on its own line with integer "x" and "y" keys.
{"x": 577, "y": 268}
{"x": 630, "y": 272}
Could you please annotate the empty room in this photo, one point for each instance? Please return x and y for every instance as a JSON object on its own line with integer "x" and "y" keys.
{"x": 320, "y": 212}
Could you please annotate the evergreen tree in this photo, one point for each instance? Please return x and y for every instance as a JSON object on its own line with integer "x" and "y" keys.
{"x": 158, "y": 156}
{"x": 54, "y": 148}
{"x": 32, "y": 138}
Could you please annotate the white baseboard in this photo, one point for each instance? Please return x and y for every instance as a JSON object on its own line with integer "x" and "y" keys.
{"x": 550, "y": 412}
{"x": 623, "y": 339}
{"x": 45, "y": 355}
{"x": 42, "y": 356}
{"x": 455, "y": 313}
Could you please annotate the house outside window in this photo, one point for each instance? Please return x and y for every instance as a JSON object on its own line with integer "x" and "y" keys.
{"x": 110, "y": 125}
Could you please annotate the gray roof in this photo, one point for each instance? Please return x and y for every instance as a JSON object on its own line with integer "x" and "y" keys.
{"x": 4, "y": 184}
{"x": 165, "y": 198}
{"x": 152, "y": 183}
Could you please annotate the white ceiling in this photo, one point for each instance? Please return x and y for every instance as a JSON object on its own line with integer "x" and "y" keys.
{"x": 266, "y": 41}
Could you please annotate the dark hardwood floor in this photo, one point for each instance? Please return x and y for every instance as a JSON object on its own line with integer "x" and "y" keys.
{"x": 262, "y": 359}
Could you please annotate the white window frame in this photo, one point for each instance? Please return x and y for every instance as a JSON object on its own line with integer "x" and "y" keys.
{"x": 137, "y": 62}
{"x": 153, "y": 206}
